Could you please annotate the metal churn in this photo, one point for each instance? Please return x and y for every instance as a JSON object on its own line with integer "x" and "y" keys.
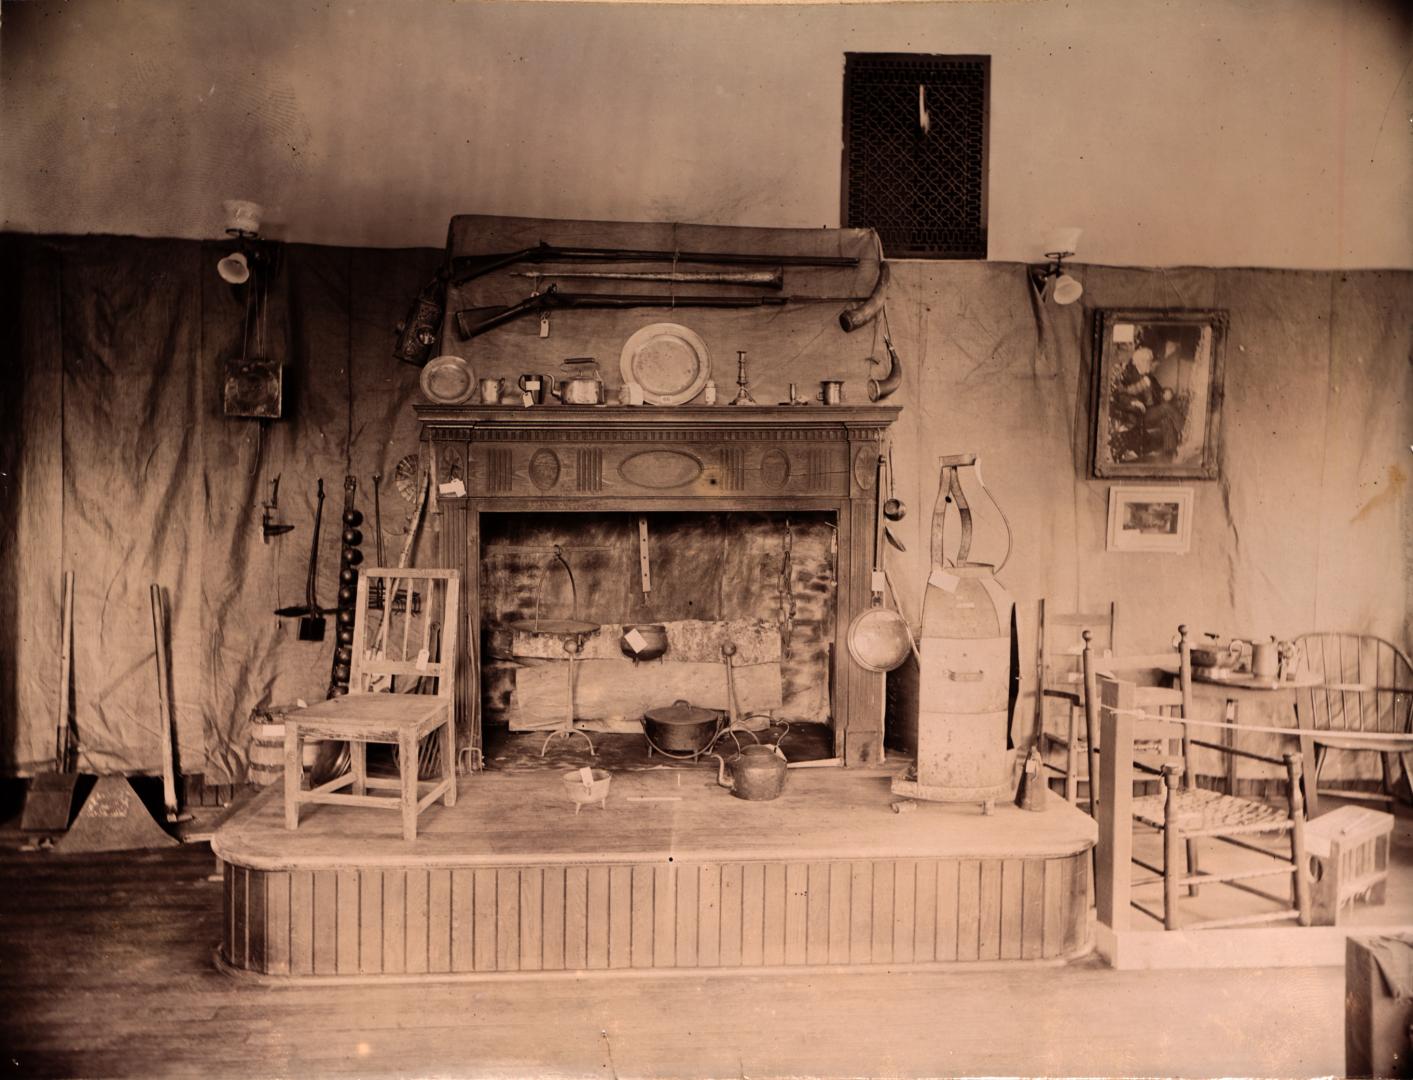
{"x": 966, "y": 671}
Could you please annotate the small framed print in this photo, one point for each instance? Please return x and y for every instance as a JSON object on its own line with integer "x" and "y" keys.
{"x": 1153, "y": 519}
{"x": 1157, "y": 393}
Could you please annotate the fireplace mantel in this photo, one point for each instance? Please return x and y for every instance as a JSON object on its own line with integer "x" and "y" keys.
{"x": 634, "y": 458}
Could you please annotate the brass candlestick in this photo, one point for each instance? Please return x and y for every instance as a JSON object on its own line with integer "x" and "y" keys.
{"x": 743, "y": 394}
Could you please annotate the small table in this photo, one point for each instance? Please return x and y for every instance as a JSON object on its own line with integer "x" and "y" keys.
{"x": 401, "y": 719}
{"x": 1239, "y": 683}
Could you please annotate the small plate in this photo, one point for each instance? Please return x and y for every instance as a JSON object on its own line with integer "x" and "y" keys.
{"x": 670, "y": 363}
{"x": 448, "y": 380}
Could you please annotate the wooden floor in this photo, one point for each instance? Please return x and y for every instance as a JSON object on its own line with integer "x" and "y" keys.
{"x": 672, "y": 872}
{"x": 106, "y": 970}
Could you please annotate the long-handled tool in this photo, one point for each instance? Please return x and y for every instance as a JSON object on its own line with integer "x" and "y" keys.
{"x": 310, "y": 614}
{"x": 164, "y": 710}
{"x": 50, "y": 797}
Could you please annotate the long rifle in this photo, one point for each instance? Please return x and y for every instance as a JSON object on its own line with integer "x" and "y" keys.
{"x": 471, "y": 322}
{"x": 468, "y": 267}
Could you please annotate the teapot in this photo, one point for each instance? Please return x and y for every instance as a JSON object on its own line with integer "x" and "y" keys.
{"x": 757, "y": 772}
{"x": 580, "y": 389}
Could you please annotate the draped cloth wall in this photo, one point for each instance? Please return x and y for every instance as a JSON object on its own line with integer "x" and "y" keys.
{"x": 116, "y": 462}
{"x": 119, "y": 465}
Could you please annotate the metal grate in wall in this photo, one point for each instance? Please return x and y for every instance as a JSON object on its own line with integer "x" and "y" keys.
{"x": 915, "y": 145}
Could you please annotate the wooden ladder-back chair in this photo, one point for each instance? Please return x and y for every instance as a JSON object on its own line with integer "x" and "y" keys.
{"x": 1183, "y": 813}
{"x": 400, "y": 651}
{"x": 1060, "y": 678}
{"x": 1366, "y": 688}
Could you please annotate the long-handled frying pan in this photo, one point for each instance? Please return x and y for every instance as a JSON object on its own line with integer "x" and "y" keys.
{"x": 310, "y": 615}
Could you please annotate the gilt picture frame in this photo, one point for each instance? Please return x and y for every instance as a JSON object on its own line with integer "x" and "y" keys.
{"x": 1150, "y": 519}
{"x": 1158, "y": 393}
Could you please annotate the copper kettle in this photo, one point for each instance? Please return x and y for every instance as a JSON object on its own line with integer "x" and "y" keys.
{"x": 757, "y": 772}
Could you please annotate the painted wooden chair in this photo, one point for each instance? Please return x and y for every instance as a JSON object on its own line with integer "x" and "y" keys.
{"x": 1183, "y": 813}
{"x": 399, "y": 652}
{"x": 1366, "y": 689}
{"x": 1060, "y": 679}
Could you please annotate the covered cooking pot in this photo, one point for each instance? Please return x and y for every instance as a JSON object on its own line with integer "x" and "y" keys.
{"x": 680, "y": 728}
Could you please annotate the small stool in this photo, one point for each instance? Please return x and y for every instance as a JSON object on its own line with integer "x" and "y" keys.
{"x": 401, "y": 719}
{"x": 1348, "y": 849}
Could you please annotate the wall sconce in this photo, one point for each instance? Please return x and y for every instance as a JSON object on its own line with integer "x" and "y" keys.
{"x": 242, "y": 222}
{"x": 1051, "y": 281}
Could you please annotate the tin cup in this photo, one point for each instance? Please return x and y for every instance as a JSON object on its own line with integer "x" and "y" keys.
{"x": 532, "y": 387}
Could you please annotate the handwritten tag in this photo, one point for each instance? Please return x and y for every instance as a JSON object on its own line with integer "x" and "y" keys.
{"x": 635, "y": 640}
{"x": 878, "y": 581}
{"x": 1123, "y": 333}
{"x": 544, "y": 324}
{"x": 424, "y": 658}
{"x": 586, "y": 776}
{"x": 526, "y": 399}
{"x": 455, "y": 489}
{"x": 940, "y": 579}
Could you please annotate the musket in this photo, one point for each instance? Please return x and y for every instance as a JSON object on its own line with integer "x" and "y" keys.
{"x": 465, "y": 268}
{"x": 473, "y": 321}
{"x": 765, "y": 279}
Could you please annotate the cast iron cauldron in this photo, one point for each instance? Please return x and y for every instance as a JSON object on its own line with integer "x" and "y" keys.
{"x": 680, "y": 728}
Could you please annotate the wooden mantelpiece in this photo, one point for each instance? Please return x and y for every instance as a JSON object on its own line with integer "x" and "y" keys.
{"x": 566, "y": 459}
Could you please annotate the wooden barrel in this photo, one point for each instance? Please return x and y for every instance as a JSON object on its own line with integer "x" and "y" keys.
{"x": 266, "y": 755}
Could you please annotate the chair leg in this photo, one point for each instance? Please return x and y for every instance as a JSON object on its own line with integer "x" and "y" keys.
{"x": 293, "y": 774}
{"x": 1406, "y": 757}
{"x": 358, "y": 765}
{"x": 407, "y": 774}
{"x": 1172, "y": 846}
{"x": 1300, "y": 875}
{"x": 449, "y": 760}
{"x": 1312, "y": 784}
{"x": 1192, "y": 865}
{"x": 1072, "y": 761}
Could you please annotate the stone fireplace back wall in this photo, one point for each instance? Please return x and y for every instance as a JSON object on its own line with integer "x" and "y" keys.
{"x": 712, "y": 567}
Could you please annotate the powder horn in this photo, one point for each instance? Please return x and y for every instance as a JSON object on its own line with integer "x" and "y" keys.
{"x": 878, "y": 389}
{"x": 851, "y": 318}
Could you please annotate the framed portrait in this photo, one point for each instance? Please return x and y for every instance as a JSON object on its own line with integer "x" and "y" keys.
{"x": 1150, "y": 519}
{"x": 1157, "y": 393}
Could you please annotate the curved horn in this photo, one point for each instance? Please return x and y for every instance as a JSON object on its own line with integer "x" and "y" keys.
{"x": 878, "y": 389}
{"x": 851, "y": 318}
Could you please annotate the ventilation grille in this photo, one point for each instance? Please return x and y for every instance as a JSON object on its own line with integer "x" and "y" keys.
{"x": 924, "y": 192}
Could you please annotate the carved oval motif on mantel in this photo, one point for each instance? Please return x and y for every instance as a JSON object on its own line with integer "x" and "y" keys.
{"x": 775, "y": 468}
{"x": 660, "y": 469}
{"x": 866, "y": 468}
{"x": 544, "y": 469}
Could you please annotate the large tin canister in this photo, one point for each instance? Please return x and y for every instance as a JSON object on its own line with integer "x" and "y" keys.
{"x": 964, "y": 696}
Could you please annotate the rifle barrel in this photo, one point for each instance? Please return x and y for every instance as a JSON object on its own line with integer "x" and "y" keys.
{"x": 471, "y": 322}
{"x": 466, "y": 267}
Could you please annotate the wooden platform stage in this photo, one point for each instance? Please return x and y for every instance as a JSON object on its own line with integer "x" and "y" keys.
{"x": 672, "y": 873}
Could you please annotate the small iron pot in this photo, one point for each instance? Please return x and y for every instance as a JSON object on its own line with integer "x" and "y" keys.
{"x": 680, "y": 728}
{"x": 654, "y": 637}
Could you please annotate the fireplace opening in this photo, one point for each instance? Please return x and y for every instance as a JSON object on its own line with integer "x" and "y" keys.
{"x": 764, "y": 582}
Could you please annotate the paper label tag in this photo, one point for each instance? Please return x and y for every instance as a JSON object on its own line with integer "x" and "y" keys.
{"x": 1123, "y": 333}
{"x": 424, "y": 658}
{"x": 301, "y": 703}
{"x": 877, "y": 583}
{"x": 455, "y": 488}
{"x": 526, "y": 399}
{"x": 635, "y": 640}
{"x": 544, "y": 324}
{"x": 940, "y": 579}
{"x": 586, "y": 776}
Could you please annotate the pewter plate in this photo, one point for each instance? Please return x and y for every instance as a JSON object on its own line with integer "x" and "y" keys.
{"x": 670, "y": 362}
